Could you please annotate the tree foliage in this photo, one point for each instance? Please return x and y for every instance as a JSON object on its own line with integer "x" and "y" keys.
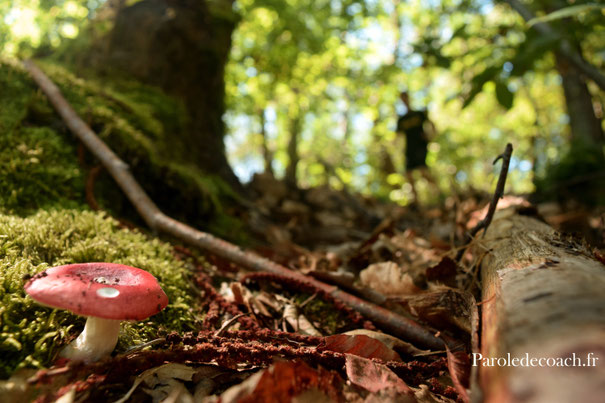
{"x": 327, "y": 74}
{"x": 486, "y": 77}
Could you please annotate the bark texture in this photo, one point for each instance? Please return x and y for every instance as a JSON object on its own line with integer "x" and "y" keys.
{"x": 267, "y": 153}
{"x": 545, "y": 297}
{"x": 585, "y": 126}
{"x": 181, "y": 46}
{"x": 293, "y": 157}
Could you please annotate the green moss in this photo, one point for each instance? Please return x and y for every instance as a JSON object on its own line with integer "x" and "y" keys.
{"x": 44, "y": 220}
{"x": 142, "y": 125}
{"x": 31, "y": 335}
{"x": 329, "y": 319}
{"x": 139, "y": 123}
{"x": 39, "y": 168}
{"x": 15, "y": 95}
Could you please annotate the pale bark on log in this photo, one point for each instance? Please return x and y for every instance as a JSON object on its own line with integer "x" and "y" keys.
{"x": 545, "y": 297}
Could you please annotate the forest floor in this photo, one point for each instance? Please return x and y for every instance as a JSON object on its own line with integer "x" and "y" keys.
{"x": 229, "y": 334}
{"x": 267, "y": 337}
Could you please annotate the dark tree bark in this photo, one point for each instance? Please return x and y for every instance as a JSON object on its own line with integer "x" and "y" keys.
{"x": 585, "y": 126}
{"x": 295, "y": 128}
{"x": 574, "y": 71}
{"x": 267, "y": 153}
{"x": 182, "y": 46}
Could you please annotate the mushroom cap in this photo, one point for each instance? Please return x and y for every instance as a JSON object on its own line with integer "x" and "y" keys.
{"x": 103, "y": 290}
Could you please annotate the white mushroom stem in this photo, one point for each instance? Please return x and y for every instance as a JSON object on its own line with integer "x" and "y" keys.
{"x": 97, "y": 340}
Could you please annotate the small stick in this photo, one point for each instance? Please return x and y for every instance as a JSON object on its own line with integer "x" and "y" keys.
{"x": 483, "y": 224}
{"x": 393, "y": 323}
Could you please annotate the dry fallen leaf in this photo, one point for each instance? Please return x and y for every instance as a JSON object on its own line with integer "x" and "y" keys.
{"x": 360, "y": 345}
{"x": 164, "y": 374}
{"x": 68, "y": 397}
{"x": 375, "y": 377}
{"x": 459, "y": 366}
{"x": 389, "y": 279}
{"x": 443, "y": 272}
{"x": 424, "y": 395}
{"x": 390, "y": 341}
{"x": 443, "y": 308}
{"x": 299, "y": 322}
{"x": 283, "y": 382}
{"x": 172, "y": 392}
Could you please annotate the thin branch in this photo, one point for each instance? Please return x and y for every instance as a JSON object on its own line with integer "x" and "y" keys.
{"x": 483, "y": 224}
{"x": 393, "y": 323}
{"x": 565, "y": 47}
{"x": 498, "y": 193}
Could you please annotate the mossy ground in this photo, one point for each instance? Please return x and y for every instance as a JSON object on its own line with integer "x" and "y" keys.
{"x": 31, "y": 334}
{"x": 44, "y": 218}
{"x": 139, "y": 123}
{"x": 38, "y": 166}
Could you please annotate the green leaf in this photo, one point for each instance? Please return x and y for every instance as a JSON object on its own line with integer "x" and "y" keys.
{"x": 570, "y": 11}
{"x": 531, "y": 50}
{"x": 504, "y": 96}
{"x": 478, "y": 81}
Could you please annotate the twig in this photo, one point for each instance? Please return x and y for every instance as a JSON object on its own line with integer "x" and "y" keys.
{"x": 393, "y": 323}
{"x": 483, "y": 224}
{"x": 499, "y": 192}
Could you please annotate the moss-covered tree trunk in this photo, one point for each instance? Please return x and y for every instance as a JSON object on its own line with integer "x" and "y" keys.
{"x": 181, "y": 46}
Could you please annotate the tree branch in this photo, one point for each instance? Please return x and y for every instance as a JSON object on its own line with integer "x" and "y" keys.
{"x": 393, "y": 323}
{"x": 565, "y": 46}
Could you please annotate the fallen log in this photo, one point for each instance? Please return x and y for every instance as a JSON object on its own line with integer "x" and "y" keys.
{"x": 543, "y": 316}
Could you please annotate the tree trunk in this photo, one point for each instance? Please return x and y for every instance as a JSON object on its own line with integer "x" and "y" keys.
{"x": 267, "y": 153}
{"x": 544, "y": 298}
{"x": 585, "y": 126}
{"x": 181, "y": 46}
{"x": 293, "y": 152}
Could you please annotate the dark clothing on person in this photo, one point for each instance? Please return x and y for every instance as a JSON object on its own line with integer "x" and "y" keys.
{"x": 412, "y": 126}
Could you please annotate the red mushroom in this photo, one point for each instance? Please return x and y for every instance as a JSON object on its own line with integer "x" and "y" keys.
{"x": 104, "y": 292}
